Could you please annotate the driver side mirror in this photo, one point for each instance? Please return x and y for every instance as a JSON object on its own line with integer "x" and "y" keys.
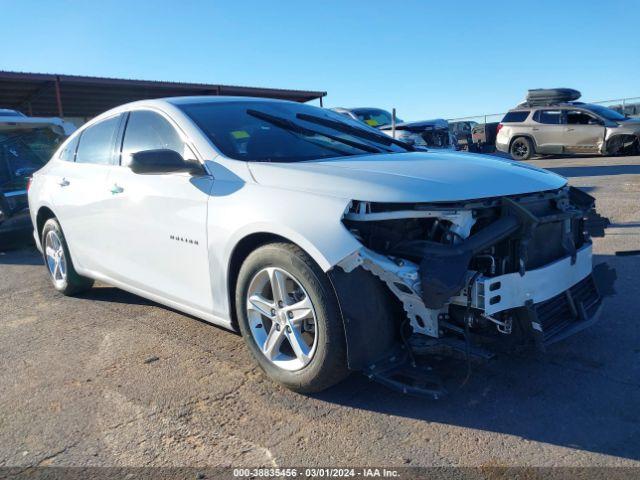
{"x": 163, "y": 161}
{"x": 595, "y": 121}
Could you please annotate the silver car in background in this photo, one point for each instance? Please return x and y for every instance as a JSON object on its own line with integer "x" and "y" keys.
{"x": 567, "y": 128}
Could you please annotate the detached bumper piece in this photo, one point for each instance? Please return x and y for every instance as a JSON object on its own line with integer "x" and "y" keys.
{"x": 566, "y": 313}
{"x": 403, "y": 374}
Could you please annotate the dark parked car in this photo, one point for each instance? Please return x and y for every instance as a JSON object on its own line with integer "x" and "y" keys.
{"x": 483, "y": 137}
{"x": 462, "y": 131}
{"x": 26, "y": 144}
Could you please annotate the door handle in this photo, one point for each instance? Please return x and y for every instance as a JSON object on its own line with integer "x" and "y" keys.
{"x": 570, "y": 129}
{"x": 535, "y": 129}
{"x": 64, "y": 182}
{"x": 116, "y": 189}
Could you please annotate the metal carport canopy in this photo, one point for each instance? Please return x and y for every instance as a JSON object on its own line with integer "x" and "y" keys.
{"x": 51, "y": 95}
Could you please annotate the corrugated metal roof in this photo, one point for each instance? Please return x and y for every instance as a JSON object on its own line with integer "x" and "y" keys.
{"x": 84, "y": 96}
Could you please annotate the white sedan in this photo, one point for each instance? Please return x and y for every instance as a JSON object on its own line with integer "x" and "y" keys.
{"x": 328, "y": 244}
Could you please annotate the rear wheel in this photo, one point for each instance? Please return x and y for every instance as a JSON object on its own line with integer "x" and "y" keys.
{"x": 289, "y": 318}
{"x": 521, "y": 149}
{"x": 62, "y": 274}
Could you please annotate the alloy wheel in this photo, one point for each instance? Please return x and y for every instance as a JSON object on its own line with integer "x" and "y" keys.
{"x": 282, "y": 319}
{"x": 520, "y": 149}
{"x": 56, "y": 259}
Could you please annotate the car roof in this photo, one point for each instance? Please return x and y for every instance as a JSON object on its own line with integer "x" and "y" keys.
{"x": 173, "y": 102}
{"x": 7, "y": 112}
{"x": 220, "y": 99}
{"x": 526, "y": 108}
{"x": 160, "y": 102}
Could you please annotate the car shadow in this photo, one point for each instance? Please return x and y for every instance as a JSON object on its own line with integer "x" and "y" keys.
{"x": 16, "y": 240}
{"x": 115, "y": 295}
{"x": 596, "y": 171}
{"x": 20, "y": 255}
{"x": 582, "y": 393}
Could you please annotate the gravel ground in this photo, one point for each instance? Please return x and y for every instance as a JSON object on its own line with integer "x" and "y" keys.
{"x": 110, "y": 379}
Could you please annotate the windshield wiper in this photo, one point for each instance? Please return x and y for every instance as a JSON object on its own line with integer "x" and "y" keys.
{"x": 296, "y": 128}
{"x": 355, "y": 131}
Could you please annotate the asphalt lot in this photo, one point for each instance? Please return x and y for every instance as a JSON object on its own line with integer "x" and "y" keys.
{"x": 112, "y": 379}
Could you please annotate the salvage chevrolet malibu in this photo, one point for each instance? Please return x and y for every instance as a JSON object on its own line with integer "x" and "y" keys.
{"x": 329, "y": 245}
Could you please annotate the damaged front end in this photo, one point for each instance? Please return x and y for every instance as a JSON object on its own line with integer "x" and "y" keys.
{"x": 515, "y": 269}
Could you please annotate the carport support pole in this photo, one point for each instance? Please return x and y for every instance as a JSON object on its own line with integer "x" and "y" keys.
{"x": 58, "y": 97}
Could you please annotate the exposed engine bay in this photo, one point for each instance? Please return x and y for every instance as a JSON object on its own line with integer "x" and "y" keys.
{"x": 507, "y": 268}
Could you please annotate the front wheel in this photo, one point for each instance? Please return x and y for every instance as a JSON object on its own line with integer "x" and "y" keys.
{"x": 62, "y": 274}
{"x": 521, "y": 149}
{"x": 289, "y": 317}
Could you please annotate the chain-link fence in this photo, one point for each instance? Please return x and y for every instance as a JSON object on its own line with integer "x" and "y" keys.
{"x": 629, "y": 106}
{"x": 626, "y": 106}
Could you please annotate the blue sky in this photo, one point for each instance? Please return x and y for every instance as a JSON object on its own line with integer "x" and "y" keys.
{"x": 426, "y": 58}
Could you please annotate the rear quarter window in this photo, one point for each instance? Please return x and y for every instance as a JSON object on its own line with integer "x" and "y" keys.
{"x": 97, "y": 142}
{"x": 515, "y": 117}
{"x": 68, "y": 154}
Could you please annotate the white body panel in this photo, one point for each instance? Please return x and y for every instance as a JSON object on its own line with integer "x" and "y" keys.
{"x": 437, "y": 176}
{"x": 535, "y": 285}
{"x": 159, "y": 220}
{"x": 79, "y": 192}
{"x": 125, "y": 238}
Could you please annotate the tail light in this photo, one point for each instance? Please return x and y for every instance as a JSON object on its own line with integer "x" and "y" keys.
{"x": 498, "y": 127}
{"x": 29, "y": 180}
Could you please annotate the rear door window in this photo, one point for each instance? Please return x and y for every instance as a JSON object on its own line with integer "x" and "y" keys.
{"x": 549, "y": 117}
{"x": 68, "y": 154}
{"x": 515, "y": 117}
{"x": 97, "y": 142}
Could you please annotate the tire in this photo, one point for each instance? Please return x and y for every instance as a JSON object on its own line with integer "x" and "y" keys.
{"x": 62, "y": 273}
{"x": 521, "y": 148}
{"x": 634, "y": 149}
{"x": 324, "y": 362}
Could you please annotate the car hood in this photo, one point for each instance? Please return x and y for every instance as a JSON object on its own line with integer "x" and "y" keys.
{"x": 630, "y": 122}
{"x": 408, "y": 177}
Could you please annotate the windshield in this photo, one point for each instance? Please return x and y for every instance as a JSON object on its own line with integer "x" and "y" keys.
{"x": 265, "y": 131}
{"x": 606, "y": 113}
{"x": 22, "y": 152}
